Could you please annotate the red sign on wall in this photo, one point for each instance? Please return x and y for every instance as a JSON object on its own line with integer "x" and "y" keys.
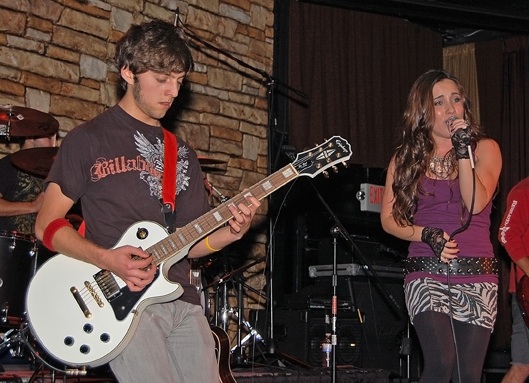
{"x": 370, "y": 197}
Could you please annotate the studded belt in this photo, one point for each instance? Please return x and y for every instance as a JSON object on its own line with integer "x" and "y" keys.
{"x": 459, "y": 266}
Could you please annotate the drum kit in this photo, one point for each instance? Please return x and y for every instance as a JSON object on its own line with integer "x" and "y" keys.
{"x": 21, "y": 254}
{"x": 17, "y": 121}
{"x": 18, "y": 252}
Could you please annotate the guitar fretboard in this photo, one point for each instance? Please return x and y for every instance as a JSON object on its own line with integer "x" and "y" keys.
{"x": 218, "y": 216}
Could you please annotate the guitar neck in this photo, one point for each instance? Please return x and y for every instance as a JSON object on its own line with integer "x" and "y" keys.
{"x": 215, "y": 218}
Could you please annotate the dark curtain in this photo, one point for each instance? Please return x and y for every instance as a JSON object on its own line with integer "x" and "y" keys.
{"x": 356, "y": 69}
{"x": 503, "y": 75}
{"x": 515, "y": 117}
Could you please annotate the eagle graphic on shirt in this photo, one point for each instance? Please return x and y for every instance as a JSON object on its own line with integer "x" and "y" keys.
{"x": 153, "y": 153}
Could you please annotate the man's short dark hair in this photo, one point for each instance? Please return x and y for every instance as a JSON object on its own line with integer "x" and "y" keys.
{"x": 155, "y": 46}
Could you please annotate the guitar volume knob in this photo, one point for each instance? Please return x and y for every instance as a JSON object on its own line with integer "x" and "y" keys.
{"x": 142, "y": 233}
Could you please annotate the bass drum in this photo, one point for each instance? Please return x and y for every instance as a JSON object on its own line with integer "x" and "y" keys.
{"x": 17, "y": 266}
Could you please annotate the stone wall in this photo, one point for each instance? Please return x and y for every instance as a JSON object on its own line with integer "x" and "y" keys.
{"x": 56, "y": 56}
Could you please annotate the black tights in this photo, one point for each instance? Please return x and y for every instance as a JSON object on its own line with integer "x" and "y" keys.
{"x": 437, "y": 343}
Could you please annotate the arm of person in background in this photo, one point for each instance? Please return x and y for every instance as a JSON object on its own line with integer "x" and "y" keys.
{"x": 10, "y": 208}
{"x": 514, "y": 226}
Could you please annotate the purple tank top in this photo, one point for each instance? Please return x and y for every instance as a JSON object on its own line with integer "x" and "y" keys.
{"x": 440, "y": 205}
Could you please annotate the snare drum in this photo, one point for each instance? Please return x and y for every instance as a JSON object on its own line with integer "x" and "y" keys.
{"x": 17, "y": 266}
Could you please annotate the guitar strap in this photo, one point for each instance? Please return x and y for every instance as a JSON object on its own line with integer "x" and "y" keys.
{"x": 170, "y": 157}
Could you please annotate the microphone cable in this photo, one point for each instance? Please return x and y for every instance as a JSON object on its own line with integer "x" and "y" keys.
{"x": 455, "y": 232}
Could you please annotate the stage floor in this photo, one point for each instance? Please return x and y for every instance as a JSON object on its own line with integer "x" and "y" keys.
{"x": 24, "y": 373}
{"x": 316, "y": 375}
{"x": 255, "y": 374}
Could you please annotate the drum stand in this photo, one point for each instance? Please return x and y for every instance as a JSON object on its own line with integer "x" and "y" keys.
{"x": 225, "y": 313}
{"x": 239, "y": 351}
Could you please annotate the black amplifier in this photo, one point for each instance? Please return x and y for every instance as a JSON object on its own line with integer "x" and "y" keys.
{"x": 354, "y": 269}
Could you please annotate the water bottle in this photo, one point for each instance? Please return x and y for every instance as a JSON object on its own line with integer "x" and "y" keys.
{"x": 326, "y": 351}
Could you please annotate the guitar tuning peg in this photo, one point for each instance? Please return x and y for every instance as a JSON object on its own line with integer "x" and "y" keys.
{"x": 335, "y": 169}
{"x": 345, "y": 165}
{"x": 325, "y": 174}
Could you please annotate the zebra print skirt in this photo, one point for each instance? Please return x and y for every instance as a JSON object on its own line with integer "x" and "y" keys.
{"x": 474, "y": 303}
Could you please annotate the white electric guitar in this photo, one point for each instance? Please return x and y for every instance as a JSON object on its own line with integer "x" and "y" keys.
{"x": 85, "y": 316}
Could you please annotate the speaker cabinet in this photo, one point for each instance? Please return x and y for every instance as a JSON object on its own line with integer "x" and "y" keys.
{"x": 370, "y": 340}
{"x": 349, "y": 340}
{"x": 302, "y": 332}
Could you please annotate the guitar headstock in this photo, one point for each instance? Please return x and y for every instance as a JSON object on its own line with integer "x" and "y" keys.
{"x": 314, "y": 161}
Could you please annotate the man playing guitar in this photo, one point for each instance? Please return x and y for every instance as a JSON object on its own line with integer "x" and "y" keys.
{"x": 514, "y": 236}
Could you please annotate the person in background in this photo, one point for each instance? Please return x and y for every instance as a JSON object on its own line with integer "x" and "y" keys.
{"x": 21, "y": 196}
{"x": 438, "y": 192}
{"x": 173, "y": 341}
{"x": 20, "y": 192}
{"x": 514, "y": 236}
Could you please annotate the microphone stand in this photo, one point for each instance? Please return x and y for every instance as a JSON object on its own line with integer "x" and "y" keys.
{"x": 271, "y": 83}
{"x": 340, "y": 229}
{"x": 334, "y": 301}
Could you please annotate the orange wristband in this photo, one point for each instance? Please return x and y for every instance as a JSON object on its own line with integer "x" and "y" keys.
{"x": 51, "y": 229}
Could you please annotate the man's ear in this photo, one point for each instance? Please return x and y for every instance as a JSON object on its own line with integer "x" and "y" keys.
{"x": 127, "y": 75}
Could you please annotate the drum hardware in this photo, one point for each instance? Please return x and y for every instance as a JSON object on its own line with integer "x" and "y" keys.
{"x": 11, "y": 341}
{"x": 22, "y": 345}
{"x": 224, "y": 314}
{"x": 16, "y": 121}
{"x": 18, "y": 341}
{"x": 239, "y": 351}
{"x": 17, "y": 266}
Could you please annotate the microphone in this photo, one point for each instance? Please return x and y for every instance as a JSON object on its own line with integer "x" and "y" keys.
{"x": 450, "y": 121}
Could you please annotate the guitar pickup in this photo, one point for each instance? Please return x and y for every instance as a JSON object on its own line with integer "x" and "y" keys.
{"x": 108, "y": 285}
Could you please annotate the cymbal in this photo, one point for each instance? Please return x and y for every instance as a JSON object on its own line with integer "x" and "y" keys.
{"x": 26, "y": 122}
{"x": 210, "y": 161}
{"x": 35, "y": 161}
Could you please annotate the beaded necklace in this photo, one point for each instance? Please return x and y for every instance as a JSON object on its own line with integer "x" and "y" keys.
{"x": 442, "y": 167}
